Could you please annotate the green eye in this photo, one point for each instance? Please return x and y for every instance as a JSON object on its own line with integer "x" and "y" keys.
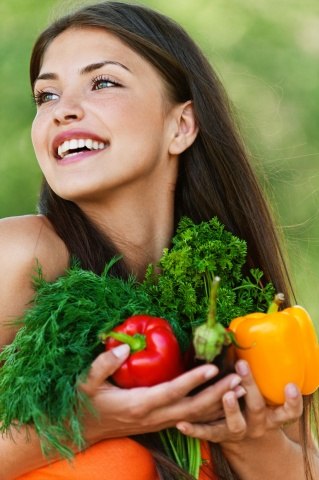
{"x": 103, "y": 82}
{"x": 44, "y": 97}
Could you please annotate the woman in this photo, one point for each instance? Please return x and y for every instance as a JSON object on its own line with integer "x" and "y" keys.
{"x": 133, "y": 131}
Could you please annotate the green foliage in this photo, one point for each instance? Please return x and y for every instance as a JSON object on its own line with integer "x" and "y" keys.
{"x": 55, "y": 346}
{"x": 58, "y": 339}
{"x": 184, "y": 450}
{"x": 198, "y": 253}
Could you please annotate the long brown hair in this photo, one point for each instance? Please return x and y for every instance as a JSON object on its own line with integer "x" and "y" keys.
{"x": 215, "y": 176}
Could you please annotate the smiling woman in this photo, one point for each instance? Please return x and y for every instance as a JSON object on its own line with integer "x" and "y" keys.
{"x": 131, "y": 135}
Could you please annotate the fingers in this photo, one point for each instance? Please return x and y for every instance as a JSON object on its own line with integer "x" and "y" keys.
{"x": 202, "y": 431}
{"x": 235, "y": 420}
{"x": 251, "y": 422}
{"x": 168, "y": 393}
{"x": 293, "y": 405}
{"x": 103, "y": 367}
{"x": 255, "y": 405}
{"x": 169, "y": 403}
{"x": 157, "y": 407}
{"x": 232, "y": 428}
{"x": 205, "y": 406}
{"x": 258, "y": 415}
{"x": 291, "y": 410}
{"x": 255, "y": 402}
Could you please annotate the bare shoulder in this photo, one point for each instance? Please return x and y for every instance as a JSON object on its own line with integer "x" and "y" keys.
{"x": 25, "y": 242}
{"x": 27, "y": 239}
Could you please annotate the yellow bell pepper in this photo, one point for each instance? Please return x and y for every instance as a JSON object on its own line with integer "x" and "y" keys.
{"x": 281, "y": 347}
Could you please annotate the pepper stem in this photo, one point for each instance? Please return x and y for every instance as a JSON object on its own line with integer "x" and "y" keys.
{"x": 211, "y": 317}
{"x": 275, "y": 304}
{"x": 136, "y": 342}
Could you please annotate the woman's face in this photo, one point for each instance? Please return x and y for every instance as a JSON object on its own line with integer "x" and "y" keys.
{"x": 102, "y": 122}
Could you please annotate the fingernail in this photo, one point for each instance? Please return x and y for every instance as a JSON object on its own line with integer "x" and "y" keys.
{"x": 211, "y": 372}
{"x": 239, "y": 391}
{"x": 230, "y": 399}
{"x": 291, "y": 390}
{"x": 235, "y": 381}
{"x": 242, "y": 367}
{"x": 181, "y": 427}
{"x": 121, "y": 351}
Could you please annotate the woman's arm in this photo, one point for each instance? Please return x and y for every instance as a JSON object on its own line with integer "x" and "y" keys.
{"x": 19, "y": 454}
{"x": 253, "y": 439}
{"x": 23, "y": 241}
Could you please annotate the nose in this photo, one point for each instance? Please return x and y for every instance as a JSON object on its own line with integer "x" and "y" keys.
{"x": 68, "y": 110}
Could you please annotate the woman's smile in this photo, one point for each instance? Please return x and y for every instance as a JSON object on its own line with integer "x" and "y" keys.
{"x": 74, "y": 145}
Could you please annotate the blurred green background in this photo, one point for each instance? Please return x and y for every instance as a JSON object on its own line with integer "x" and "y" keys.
{"x": 267, "y": 54}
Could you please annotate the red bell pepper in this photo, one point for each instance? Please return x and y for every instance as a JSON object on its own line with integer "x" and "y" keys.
{"x": 155, "y": 353}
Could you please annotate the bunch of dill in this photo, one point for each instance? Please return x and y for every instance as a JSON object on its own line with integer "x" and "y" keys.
{"x": 58, "y": 338}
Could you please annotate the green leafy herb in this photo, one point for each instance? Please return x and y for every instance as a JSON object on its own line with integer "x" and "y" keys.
{"x": 198, "y": 253}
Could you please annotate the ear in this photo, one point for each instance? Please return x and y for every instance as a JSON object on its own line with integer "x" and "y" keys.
{"x": 185, "y": 128}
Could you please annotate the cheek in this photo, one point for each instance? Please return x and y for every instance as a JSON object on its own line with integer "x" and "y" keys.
{"x": 38, "y": 142}
{"x": 35, "y": 133}
{"x": 38, "y": 137}
{"x": 138, "y": 113}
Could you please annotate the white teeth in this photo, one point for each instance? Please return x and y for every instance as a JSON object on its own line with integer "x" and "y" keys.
{"x": 75, "y": 143}
{"x": 89, "y": 144}
{"x": 63, "y": 148}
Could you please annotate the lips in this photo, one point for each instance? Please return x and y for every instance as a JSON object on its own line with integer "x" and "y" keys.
{"x": 73, "y": 142}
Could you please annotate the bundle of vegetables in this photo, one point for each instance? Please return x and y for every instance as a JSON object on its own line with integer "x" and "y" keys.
{"x": 59, "y": 334}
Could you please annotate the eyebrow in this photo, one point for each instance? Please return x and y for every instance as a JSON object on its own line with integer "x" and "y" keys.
{"x": 88, "y": 69}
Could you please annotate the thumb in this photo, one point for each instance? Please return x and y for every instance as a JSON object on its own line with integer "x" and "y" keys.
{"x": 103, "y": 367}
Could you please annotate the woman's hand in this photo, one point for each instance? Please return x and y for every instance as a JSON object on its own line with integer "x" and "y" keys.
{"x": 251, "y": 422}
{"x": 122, "y": 412}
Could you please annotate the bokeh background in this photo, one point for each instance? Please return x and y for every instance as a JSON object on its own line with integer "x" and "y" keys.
{"x": 266, "y": 53}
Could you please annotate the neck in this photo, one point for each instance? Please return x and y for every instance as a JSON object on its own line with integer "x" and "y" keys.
{"x": 139, "y": 225}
